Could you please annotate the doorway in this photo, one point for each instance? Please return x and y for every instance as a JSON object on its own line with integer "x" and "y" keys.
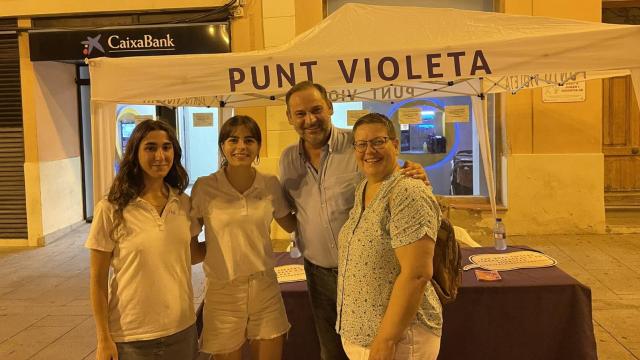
{"x": 621, "y": 144}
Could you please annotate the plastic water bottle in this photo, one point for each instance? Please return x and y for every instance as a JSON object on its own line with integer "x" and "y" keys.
{"x": 294, "y": 252}
{"x": 500, "y": 235}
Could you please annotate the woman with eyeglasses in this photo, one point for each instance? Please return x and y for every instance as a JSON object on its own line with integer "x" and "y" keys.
{"x": 236, "y": 205}
{"x": 387, "y": 307}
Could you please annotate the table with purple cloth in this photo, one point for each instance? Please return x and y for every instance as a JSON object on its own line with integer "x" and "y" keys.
{"x": 531, "y": 314}
{"x": 536, "y": 314}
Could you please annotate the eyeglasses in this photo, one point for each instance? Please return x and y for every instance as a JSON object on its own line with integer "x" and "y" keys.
{"x": 376, "y": 143}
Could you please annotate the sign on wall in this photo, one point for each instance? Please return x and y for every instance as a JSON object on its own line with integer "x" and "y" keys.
{"x": 410, "y": 115}
{"x": 202, "y": 119}
{"x": 354, "y": 115}
{"x": 203, "y": 38}
{"x": 456, "y": 113}
{"x": 569, "y": 92}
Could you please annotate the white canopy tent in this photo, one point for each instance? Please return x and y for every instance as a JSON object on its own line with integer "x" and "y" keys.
{"x": 373, "y": 53}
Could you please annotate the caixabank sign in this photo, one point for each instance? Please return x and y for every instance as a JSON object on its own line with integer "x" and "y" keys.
{"x": 203, "y": 38}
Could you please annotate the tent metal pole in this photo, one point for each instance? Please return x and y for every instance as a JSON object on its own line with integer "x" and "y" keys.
{"x": 480, "y": 113}
{"x": 103, "y": 147}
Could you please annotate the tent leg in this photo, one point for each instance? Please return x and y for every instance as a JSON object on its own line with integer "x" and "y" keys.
{"x": 103, "y": 147}
{"x": 480, "y": 114}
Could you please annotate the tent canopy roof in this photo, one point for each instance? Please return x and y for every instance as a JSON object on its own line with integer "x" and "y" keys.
{"x": 372, "y": 28}
{"x": 360, "y": 47}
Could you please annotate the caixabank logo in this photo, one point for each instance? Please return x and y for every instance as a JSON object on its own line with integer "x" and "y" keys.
{"x": 117, "y": 43}
{"x": 145, "y": 42}
{"x": 90, "y": 44}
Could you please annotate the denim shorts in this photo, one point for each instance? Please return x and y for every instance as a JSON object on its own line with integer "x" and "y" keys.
{"x": 181, "y": 345}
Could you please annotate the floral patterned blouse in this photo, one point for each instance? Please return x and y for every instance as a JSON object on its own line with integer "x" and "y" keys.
{"x": 402, "y": 212}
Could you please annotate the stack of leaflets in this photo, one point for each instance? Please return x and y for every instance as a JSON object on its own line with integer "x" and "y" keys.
{"x": 290, "y": 273}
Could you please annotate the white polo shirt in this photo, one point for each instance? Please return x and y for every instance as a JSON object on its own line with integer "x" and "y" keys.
{"x": 237, "y": 226}
{"x": 150, "y": 293}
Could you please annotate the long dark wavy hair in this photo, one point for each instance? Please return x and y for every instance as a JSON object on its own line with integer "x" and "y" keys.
{"x": 129, "y": 182}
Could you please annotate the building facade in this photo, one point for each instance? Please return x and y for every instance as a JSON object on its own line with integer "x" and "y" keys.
{"x": 551, "y": 166}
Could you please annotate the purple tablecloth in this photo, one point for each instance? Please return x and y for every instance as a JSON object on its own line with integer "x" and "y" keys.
{"x": 536, "y": 314}
{"x": 531, "y": 314}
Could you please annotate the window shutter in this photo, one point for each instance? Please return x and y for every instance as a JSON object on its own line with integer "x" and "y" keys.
{"x": 13, "y": 214}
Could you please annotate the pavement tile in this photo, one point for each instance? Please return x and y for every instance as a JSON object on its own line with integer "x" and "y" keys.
{"x": 621, "y": 323}
{"x": 634, "y": 348}
{"x": 66, "y": 350}
{"x": 14, "y": 324}
{"x": 614, "y": 304}
{"x": 591, "y": 257}
{"x": 61, "y": 320}
{"x": 76, "y": 344}
{"x": 608, "y": 347}
{"x": 80, "y": 302}
{"x": 30, "y": 341}
{"x": 4, "y": 290}
{"x": 31, "y": 288}
{"x": 620, "y": 281}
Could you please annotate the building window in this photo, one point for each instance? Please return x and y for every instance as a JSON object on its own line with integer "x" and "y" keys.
{"x": 448, "y": 149}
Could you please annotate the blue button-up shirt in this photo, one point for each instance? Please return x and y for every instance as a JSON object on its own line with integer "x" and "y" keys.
{"x": 323, "y": 197}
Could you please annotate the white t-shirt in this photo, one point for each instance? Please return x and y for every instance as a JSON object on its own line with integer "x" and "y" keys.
{"x": 150, "y": 293}
{"x": 236, "y": 226}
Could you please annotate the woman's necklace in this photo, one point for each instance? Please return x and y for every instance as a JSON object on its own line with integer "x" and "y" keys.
{"x": 159, "y": 207}
{"x": 160, "y": 202}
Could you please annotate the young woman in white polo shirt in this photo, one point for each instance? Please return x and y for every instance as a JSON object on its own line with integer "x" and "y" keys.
{"x": 236, "y": 206}
{"x": 142, "y": 232}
